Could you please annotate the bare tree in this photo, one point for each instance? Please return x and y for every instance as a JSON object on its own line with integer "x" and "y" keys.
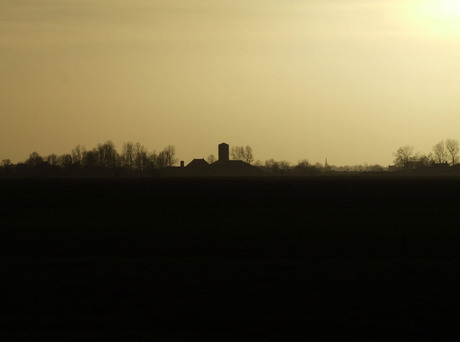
{"x": 107, "y": 155}
{"x": 271, "y": 164}
{"x": 90, "y": 159}
{"x": 211, "y": 158}
{"x": 141, "y": 158}
{"x": 34, "y": 159}
{"x": 170, "y": 152}
{"x": 237, "y": 152}
{"x": 258, "y": 163}
{"x": 127, "y": 155}
{"x": 134, "y": 156}
{"x": 77, "y": 155}
{"x": 6, "y": 164}
{"x": 52, "y": 159}
{"x": 452, "y": 149}
{"x": 404, "y": 156}
{"x": 284, "y": 165}
{"x": 242, "y": 153}
{"x": 277, "y": 167}
{"x": 64, "y": 161}
{"x": 248, "y": 155}
{"x": 166, "y": 158}
{"x": 424, "y": 160}
{"x": 440, "y": 153}
{"x": 303, "y": 166}
{"x": 153, "y": 160}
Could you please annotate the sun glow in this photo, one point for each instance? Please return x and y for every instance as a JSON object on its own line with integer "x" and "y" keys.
{"x": 439, "y": 17}
{"x": 449, "y": 8}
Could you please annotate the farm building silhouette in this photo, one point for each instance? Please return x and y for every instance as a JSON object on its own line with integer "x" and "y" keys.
{"x": 222, "y": 167}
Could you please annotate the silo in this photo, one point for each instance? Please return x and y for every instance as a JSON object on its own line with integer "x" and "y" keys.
{"x": 223, "y": 152}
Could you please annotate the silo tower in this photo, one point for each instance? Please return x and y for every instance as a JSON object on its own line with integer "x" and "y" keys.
{"x": 223, "y": 152}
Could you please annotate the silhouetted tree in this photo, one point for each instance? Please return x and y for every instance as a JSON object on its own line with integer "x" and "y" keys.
{"x": 77, "y": 156}
{"x": 303, "y": 167}
{"x": 303, "y": 164}
{"x": 237, "y": 152}
{"x": 440, "y": 153}
{"x": 34, "y": 159}
{"x": 160, "y": 161}
{"x": 89, "y": 159}
{"x": 52, "y": 159}
{"x": 211, "y": 158}
{"x": 127, "y": 156}
{"x": 277, "y": 167}
{"x": 424, "y": 160}
{"x": 64, "y": 161}
{"x": 107, "y": 156}
{"x": 165, "y": 158}
{"x": 284, "y": 165}
{"x": 6, "y": 167}
{"x": 404, "y": 157}
{"x": 242, "y": 153}
{"x": 6, "y": 164}
{"x": 248, "y": 155}
{"x": 452, "y": 149}
{"x": 153, "y": 160}
{"x": 271, "y": 164}
{"x": 141, "y": 158}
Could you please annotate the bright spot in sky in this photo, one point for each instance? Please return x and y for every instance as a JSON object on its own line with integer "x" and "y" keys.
{"x": 449, "y": 8}
{"x": 441, "y": 17}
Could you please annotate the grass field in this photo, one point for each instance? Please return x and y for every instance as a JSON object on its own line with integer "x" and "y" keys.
{"x": 363, "y": 258}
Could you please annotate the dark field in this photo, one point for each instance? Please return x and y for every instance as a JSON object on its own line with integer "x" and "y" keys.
{"x": 368, "y": 258}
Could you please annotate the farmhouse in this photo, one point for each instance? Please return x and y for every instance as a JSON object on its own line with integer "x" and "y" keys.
{"x": 222, "y": 167}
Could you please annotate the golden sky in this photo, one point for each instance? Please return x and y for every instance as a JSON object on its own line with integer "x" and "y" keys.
{"x": 350, "y": 80}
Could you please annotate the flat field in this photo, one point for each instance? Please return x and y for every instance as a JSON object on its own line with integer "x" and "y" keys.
{"x": 324, "y": 258}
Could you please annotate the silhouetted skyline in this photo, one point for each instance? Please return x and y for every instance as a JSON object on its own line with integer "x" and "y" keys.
{"x": 136, "y": 160}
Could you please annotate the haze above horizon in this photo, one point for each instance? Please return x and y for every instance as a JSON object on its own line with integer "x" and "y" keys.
{"x": 350, "y": 80}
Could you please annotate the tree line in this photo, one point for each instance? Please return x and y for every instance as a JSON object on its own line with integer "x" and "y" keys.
{"x": 443, "y": 153}
{"x": 103, "y": 160}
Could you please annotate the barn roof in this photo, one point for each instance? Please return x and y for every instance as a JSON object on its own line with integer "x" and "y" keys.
{"x": 197, "y": 164}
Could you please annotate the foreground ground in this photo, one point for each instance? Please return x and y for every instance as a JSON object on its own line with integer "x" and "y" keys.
{"x": 230, "y": 260}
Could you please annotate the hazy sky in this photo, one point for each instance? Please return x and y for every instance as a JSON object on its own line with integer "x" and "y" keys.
{"x": 350, "y": 80}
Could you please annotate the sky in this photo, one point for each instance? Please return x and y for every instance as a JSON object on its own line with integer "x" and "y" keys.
{"x": 346, "y": 80}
